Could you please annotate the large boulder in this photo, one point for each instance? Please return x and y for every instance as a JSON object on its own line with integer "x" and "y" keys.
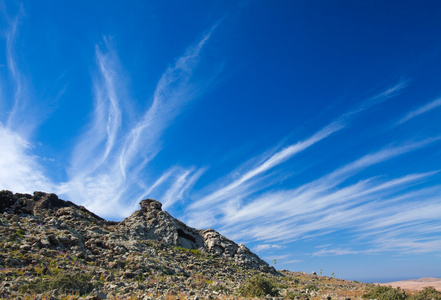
{"x": 151, "y": 222}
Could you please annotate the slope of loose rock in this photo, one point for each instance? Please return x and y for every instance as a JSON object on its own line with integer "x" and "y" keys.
{"x": 55, "y": 249}
{"x": 43, "y": 236}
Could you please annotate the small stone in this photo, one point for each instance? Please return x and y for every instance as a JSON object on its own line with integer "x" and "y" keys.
{"x": 98, "y": 295}
{"x": 25, "y": 247}
{"x": 111, "y": 277}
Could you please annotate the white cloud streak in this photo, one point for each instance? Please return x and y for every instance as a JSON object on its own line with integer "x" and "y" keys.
{"x": 361, "y": 208}
{"x": 107, "y": 169}
{"x": 184, "y": 179}
{"x": 333, "y": 202}
{"x": 262, "y": 247}
{"x": 20, "y": 170}
{"x": 172, "y": 92}
{"x": 22, "y": 117}
{"x": 16, "y": 75}
{"x": 391, "y": 92}
{"x": 253, "y": 180}
{"x": 96, "y": 144}
{"x": 274, "y": 160}
{"x": 109, "y": 160}
{"x": 424, "y": 109}
{"x": 109, "y": 163}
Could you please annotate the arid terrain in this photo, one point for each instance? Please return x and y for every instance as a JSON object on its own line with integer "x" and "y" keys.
{"x": 54, "y": 249}
{"x": 416, "y": 284}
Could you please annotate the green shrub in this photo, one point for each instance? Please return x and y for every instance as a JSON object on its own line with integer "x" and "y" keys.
{"x": 427, "y": 293}
{"x": 219, "y": 288}
{"x": 20, "y": 232}
{"x": 257, "y": 286}
{"x": 194, "y": 251}
{"x": 311, "y": 287}
{"x": 65, "y": 283}
{"x": 295, "y": 295}
{"x": 282, "y": 285}
{"x": 385, "y": 293}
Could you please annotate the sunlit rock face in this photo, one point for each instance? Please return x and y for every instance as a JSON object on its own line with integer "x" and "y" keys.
{"x": 39, "y": 203}
{"x": 150, "y": 222}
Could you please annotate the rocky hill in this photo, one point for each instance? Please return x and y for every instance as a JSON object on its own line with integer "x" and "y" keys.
{"x": 55, "y": 249}
{"x": 79, "y": 227}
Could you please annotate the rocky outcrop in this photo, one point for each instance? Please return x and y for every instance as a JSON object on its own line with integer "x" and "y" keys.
{"x": 148, "y": 223}
{"x": 151, "y": 222}
{"x": 39, "y": 203}
{"x": 55, "y": 249}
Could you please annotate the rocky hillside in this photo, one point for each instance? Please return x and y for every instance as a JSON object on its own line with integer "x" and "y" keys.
{"x": 55, "y": 249}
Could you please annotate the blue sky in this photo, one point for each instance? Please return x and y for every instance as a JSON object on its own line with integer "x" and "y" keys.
{"x": 310, "y": 131}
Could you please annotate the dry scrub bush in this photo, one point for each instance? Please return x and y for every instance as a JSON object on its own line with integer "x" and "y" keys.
{"x": 257, "y": 286}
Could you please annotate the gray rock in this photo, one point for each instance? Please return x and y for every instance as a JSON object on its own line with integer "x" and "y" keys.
{"x": 151, "y": 222}
{"x": 98, "y": 294}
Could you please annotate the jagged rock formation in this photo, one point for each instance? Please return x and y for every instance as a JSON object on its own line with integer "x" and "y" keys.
{"x": 148, "y": 223}
{"x": 55, "y": 249}
{"x": 43, "y": 235}
{"x": 39, "y": 204}
{"x": 151, "y": 222}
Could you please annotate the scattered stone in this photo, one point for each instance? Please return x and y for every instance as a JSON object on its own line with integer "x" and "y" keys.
{"x": 51, "y": 248}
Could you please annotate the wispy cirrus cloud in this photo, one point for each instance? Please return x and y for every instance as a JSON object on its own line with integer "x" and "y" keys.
{"x": 107, "y": 168}
{"x": 338, "y": 251}
{"x": 109, "y": 158}
{"x": 173, "y": 91}
{"x": 19, "y": 96}
{"x": 423, "y": 109}
{"x": 262, "y": 247}
{"x": 333, "y": 202}
{"x": 176, "y": 183}
{"x": 97, "y": 143}
{"x": 354, "y": 208}
{"x": 232, "y": 193}
{"x": 415, "y": 234}
{"x": 390, "y": 92}
{"x": 21, "y": 170}
{"x": 23, "y": 114}
{"x": 267, "y": 164}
